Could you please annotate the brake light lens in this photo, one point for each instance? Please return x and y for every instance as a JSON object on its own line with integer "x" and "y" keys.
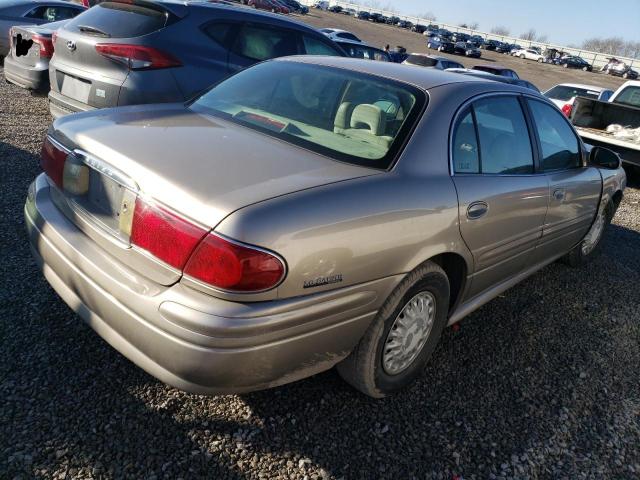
{"x": 205, "y": 257}
{"x": 230, "y": 266}
{"x": 164, "y": 234}
{"x": 46, "y": 45}
{"x": 52, "y": 160}
{"x": 138, "y": 57}
{"x": 567, "y": 109}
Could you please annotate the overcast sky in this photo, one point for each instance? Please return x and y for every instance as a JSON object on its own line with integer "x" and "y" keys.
{"x": 563, "y": 21}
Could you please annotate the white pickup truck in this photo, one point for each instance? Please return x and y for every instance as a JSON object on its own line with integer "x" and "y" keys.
{"x": 593, "y": 117}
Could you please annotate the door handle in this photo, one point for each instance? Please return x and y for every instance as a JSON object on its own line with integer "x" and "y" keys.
{"x": 477, "y": 210}
{"x": 558, "y": 195}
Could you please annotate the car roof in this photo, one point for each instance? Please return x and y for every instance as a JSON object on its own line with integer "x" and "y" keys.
{"x": 583, "y": 86}
{"x": 16, "y": 3}
{"x": 424, "y": 78}
{"x": 426, "y": 55}
{"x": 494, "y": 67}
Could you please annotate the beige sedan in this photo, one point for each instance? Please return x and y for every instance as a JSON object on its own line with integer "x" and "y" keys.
{"x": 310, "y": 212}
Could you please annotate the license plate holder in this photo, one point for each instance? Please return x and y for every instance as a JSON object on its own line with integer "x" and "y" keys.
{"x": 76, "y": 88}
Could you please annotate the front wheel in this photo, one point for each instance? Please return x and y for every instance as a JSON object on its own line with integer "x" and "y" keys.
{"x": 399, "y": 342}
{"x": 540, "y": 60}
{"x": 625, "y": 75}
{"x": 440, "y": 49}
{"x": 590, "y": 245}
{"x": 585, "y": 69}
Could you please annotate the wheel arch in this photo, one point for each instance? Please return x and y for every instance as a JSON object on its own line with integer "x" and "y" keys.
{"x": 456, "y": 268}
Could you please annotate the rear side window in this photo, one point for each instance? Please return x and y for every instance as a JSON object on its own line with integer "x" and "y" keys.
{"x": 629, "y": 96}
{"x": 260, "y": 43}
{"x": 219, "y": 32}
{"x": 465, "y": 146}
{"x": 119, "y": 20}
{"x": 348, "y": 36}
{"x": 503, "y": 135}
{"x": 53, "y": 14}
{"x": 313, "y": 46}
{"x": 559, "y": 144}
{"x": 422, "y": 60}
{"x": 492, "y": 138}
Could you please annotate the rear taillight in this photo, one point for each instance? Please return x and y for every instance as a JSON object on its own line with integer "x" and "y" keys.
{"x": 46, "y": 45}
{"x": 52, "y": 159}
{"x": 567, "y": 109}
{"x": 164, "y": 234}
{"x": 205, "y": 257}
{"x": 137, "y": 57}
{"x": 230, "y": 266}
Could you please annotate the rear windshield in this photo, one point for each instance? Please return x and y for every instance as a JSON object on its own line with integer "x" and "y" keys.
{"x": 345, "y": 115}
{"x": 118, "y": 20}
{"x": 422, "y": 60}
{"x": 565, "y": 93}
{"x": 629, "y": 96}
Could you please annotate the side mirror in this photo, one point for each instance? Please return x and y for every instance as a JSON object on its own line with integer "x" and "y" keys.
{"x": 604, "y": 158}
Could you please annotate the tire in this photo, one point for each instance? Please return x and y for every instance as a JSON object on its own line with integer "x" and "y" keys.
{"x": 428, "y": 45}
{"x": 540, "y": 60}
{"x": 625, "y": 75}
{"x": 589, "y": 248}
{"x": 366, "y": 368}
{"x": 440, "y": 49}
{"x": 522, "y": 56}
{"x": 585, "y": 69}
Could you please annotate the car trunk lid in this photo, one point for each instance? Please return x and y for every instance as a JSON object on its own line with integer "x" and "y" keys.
{"x": 31, "y": 43}
{"x": 201, "y": 167}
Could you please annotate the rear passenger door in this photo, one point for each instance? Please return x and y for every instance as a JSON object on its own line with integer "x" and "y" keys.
{"x": 502, "y": 200}
{"x": 574, "y": 189}
{"x": 257, "y": 42}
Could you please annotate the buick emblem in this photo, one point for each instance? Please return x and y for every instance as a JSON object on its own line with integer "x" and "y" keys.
{"x": 71, "y": 45}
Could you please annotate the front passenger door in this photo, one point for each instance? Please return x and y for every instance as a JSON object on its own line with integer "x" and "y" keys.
{"x": 502, "y": 201}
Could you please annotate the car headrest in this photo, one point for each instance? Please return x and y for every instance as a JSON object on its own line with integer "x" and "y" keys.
{"x": 370, "y": 116}
{"x": 343, "y": 115}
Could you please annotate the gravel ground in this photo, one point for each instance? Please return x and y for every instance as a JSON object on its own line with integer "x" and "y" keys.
{"x": 543, "y": 382}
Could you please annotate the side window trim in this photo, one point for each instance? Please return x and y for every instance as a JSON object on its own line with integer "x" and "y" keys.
{"x": 536, "y": 147}
{"x": 539, "y": 144}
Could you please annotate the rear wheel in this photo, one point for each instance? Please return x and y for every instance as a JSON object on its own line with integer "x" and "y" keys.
{"x": 429, "y": 45}
{"x": 590, "y": 245}
{"x": 565, "y": 65}
{"x": 440, "y": 49}
{"x": 625, "y": 75}
{"x": 522, "y": 56}
{"x": 540, "y": 60}
{"x": 399, "y": 342}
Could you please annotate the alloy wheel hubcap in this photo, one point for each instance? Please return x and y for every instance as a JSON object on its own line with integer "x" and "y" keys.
{"x": 409, "y": 333}
{"x": 595, "y": 232}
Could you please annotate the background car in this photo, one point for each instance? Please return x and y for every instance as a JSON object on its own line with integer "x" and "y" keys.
{"x": 393, "y": 20}
{"x": 27, "y": 64}
{"x": 338, "y": 34}
{"x": 419, "y": 28}
{"x": 296, "y": 6}
{"x": 491, "y": 44}
{"x": 32, "y": 12}
{"x": 444, "y": 33}
{"x": 440, "y": 44}
{"x": 335, "y": 9}
{"x": 564, "y": 95}
{"x": 398, "y": 54}
{"x": 460, "y": 37}
{"x": 363, "y": 15}
{"x": 504, "y": 48}
{"x": 496, "y": 70}
{"x": 273, "y": 6}
{"x": 575, "y": 62}
{"x": 165, "y": 51}
{"x": 467, "y": 49}
{"x": 405, "y": 24}
{"x": 364, "y": 51}
{"x": 528, "y": 54}
{"x": 477, "y": 40}
{"x": 350, "y": 11}
{"x": 431, "y": 61}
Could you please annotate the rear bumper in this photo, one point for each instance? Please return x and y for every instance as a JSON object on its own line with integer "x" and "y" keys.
{"x": 188, "y": 339}
{"x": 25, "y": 76}
{"x": 60, "y": 105}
